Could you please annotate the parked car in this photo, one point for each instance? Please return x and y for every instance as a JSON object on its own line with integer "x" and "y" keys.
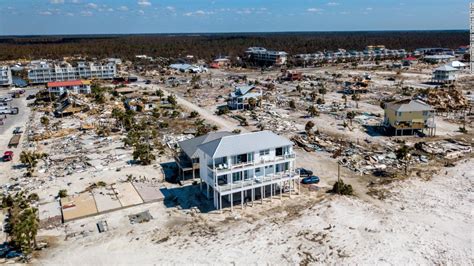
{"x": 148, "y": 81}
{"x": 13, "y": 254}
{"x": 304, "y": 172}
{"x": 30, "y": 97}
{"x": 7, "y": 156}
{"x": 310, "y": 180}
{"x": 17, "y": 130}
{"x": 6, "y": 99}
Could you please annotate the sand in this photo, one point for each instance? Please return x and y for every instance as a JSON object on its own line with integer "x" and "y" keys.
{"x": 421, "y": 222}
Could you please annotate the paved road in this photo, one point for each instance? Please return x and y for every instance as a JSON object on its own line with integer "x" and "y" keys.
{"x": 6, "y": 132}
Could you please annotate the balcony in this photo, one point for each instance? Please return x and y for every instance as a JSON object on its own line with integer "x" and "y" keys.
{"x": 222, "y": 168}
{"x": 256, "y": 182}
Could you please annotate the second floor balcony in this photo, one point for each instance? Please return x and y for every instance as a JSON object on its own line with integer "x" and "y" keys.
{"x": 224, "y": 166}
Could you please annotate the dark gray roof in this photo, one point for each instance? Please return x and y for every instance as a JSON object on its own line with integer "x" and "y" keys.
{"x": 190, "y": 146}
{"x": 243, "y": 143}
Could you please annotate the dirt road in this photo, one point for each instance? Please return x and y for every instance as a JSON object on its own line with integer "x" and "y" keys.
{"x": 223, "y": 124}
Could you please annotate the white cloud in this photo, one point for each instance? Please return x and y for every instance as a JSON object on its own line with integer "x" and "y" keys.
{"x": 92, "y": 5}
{"x": 122, "y": 8}
{"x": 144, "y": 2}
{"x": 69, "y": 14}
{"x": 45, "y": 13}
{"x": 56, "y": 1}
{"x": 198, "y": 13}
{"x": 141, "y": 12}
{"x": 332, "y": 4}
{"x": 75, "y": 1}
{"x": 314, "y": 10}
{"x": 245, "y": 11}
{"x": 369, "y": 9}
{"x": 171, "y": 8}
{"x": 110, "y": 9}
{"x": 86, "y": 13}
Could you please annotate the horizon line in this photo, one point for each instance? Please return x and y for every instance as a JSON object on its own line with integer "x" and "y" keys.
{"x": 223, "y": 32}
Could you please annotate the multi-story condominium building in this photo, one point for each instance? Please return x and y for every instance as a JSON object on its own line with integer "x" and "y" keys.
{"x": 240, "y": 97}
{"x": 241, "y": 168}
{"x": 76, "y": 86}
{"x": 5, "y": 76}
{"x": 43, "y": 72}
{"x": 264, "y": 57}
{"x": 408, "y": 116}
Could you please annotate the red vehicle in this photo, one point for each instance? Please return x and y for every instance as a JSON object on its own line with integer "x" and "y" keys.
{"x": 7, "y": 156}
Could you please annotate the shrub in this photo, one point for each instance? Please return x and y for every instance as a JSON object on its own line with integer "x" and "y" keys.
{"x": 62, "y": 193}
{"x": 343, "y": 189}
{"x": 33, "y": 197}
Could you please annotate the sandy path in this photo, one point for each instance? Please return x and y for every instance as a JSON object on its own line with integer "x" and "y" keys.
{"x": 223, "y": 124}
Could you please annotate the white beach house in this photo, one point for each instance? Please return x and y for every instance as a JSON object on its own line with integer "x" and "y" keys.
{"x": 241, "y": 168}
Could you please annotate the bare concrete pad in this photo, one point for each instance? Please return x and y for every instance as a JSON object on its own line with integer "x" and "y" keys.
{"x": 75, "y": 207}
{"x": 105, "y": 199}
{"x": 149, "y": 192}
{"x": 127, "y": 194}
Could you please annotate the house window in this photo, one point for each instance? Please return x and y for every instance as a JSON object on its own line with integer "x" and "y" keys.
{"x": 264, "y": 152}
{"x": 258, "y": 170}
{"x": 399, "y": 113}
{"x": 236, "y": 176}
{"x": 425, "y": 113}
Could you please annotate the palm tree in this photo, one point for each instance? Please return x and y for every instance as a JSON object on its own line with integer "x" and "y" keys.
{"x": 323, "y": 90}
{"x": 312, "y": 111}
{"x": 292, "y": 104}
{"x": 313, "y": 96}
{"x": 309, "y": 125}
{"x": 345, "y": 100}
{"x": 403, "y": 154}
{"x": 159, "y": 93}
{"x": 25, "y": 224}
{"x": 299, "y": 88}
{"x": 143, "y": 152}
{"x": 172, "y": 100}
{"x": 252, "y": 103}
{"x": 45, "y": 121}
{"x": 30, "y": 158}
{"x": 356, "y": 98}
{"x": 350, "y": 115}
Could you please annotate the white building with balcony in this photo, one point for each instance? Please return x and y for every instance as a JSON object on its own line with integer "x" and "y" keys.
{"x": 5, "y": 76}
{"x": 44, "y": 72}
{"x": 262, "y": 56}
{"x": 242, "y": 168}
{"x": 75, "y": 86}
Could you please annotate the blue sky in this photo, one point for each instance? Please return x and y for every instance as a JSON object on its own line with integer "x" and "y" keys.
{"x": 25, "y": 17}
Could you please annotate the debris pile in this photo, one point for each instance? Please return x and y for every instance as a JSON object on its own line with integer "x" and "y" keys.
{"x": 446, "y": 100}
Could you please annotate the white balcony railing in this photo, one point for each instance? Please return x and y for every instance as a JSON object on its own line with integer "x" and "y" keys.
{"x": 257, "y": 181}
{"x": 220, "y": 168}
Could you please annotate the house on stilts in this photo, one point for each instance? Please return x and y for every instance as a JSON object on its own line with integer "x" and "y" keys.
{"x": 238, "y": 169}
